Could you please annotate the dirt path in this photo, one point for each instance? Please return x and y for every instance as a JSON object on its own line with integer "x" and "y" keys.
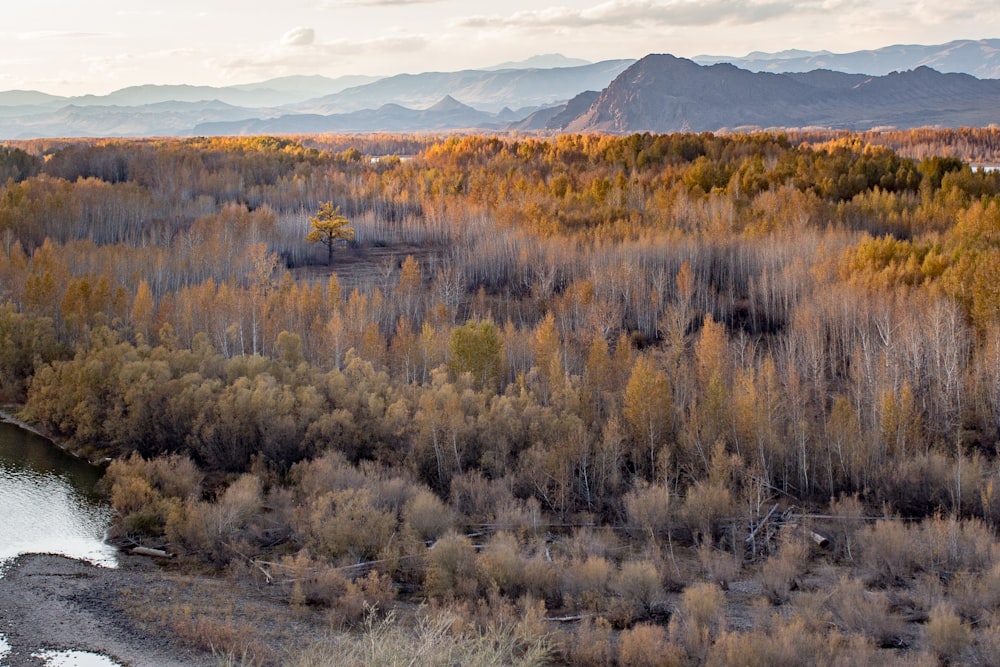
{"x": 54, "y": 603}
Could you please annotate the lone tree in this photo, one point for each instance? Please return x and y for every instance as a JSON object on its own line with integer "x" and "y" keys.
{"x": 329, "y": 227}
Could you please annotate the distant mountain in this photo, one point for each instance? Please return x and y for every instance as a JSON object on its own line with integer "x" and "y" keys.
{"x": 13, "y": 98}
{"x": 979, "y": 58}
{"x": 446, "y": 114}
{"x": 161, "y": 119}
{"x": 659, "y": 93}
{"x": 545, "y": 61}
{"x": 556, "y": 117}
{"x": 271, "y": 93}
{"x": 662, "y": 93}
{"x": 482, "y": 89}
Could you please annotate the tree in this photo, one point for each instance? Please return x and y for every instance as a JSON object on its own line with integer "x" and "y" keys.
{"x": 476, "y": 348}
{"x": 648, "y": 408}
{"x": 329, "y": 227}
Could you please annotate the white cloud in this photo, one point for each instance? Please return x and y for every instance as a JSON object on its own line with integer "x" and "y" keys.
{"x": 59, "y": 35}
{"x": 332, "y": 4}
{"x": 313, "y": 56}
{"x": 299, "y": 37}
{"x": 955, "y": 10}
{"x": 646, "y": 14}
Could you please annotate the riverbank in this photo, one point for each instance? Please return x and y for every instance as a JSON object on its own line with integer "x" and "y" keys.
{"x": 55, "y": 603}
{"x": 8, "y": 415}
{"x": 143, "y": 615}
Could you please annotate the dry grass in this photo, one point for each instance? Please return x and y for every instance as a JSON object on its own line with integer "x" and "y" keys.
{"x": 945, "y": 633}
{"x": 432, "y": 638}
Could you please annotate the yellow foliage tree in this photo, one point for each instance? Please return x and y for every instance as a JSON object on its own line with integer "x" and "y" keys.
{"x": 329, "y": 227}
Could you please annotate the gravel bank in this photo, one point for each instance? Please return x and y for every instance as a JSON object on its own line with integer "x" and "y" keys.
{"x": 55, "y": 603}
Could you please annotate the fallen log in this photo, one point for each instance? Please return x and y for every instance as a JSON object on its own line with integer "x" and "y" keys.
{"x": 152, "y": 553}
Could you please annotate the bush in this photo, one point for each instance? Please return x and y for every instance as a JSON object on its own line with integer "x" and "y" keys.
{"x": 700, "y": 619}
{"x": 500, "y": 566}
{"x": 858, "y": 611}
{"x": 646, "y": 645}
{"x": 945, "y": 633}
{"x": 638, "y": 590}
{"x": 346, "y": 524}
{"x": 718, "y": 566}
{"x": 780, "y": 571}
{"x": 427, "y": 515}
{"x": 704, "y": 509}
{"x": 892, "y": 552}
{"x": 649, "y": 511}
{"x": 451, "y": 568}
{"x": 585, "y": 584}
{"x": 591, "y": 644}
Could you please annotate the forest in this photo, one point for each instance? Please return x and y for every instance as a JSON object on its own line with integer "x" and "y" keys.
{"x": 685, "y": 399}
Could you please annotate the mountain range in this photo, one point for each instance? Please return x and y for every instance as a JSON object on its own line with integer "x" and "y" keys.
{"x": 980, "y": 58}
{"x": 659, "y": 93}
{"x": 662, "y": 93}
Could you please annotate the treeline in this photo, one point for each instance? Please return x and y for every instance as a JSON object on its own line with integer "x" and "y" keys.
{"x": 656, "y": 337}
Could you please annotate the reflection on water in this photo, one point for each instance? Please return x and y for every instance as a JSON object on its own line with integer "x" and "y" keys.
{"x": 75, "y": 659}
{"x": 48, "y": 505}
{"x": 47, "y": 501}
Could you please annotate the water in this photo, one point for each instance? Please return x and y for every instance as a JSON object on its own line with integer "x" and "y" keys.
{"x": 47, "y": 501}
{"x": 48, "y": 505}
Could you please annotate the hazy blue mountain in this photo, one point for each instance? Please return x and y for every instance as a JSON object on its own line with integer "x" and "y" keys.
{"x": 270, "y": 93}
{"x": 161, "y": 119}
{"x": 446, "y": 114}
{"x": 482, "y": 89}
{"x": 659, "y": 94}
{"x": 555, "y": 118}
{"x": 544, "y": 61}
{"x": 25, "y": 98}
{"x": 980, "y": 58}
{"x": 662, "y": 93}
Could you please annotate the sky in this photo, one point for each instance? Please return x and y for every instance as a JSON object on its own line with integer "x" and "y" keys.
{"x": 72, "y": 47}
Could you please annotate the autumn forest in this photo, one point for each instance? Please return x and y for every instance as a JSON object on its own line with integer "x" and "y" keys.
{"x": 653, "y": 399}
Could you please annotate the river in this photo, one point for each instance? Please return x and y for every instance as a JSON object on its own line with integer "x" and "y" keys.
{"x": 48, "y": 505}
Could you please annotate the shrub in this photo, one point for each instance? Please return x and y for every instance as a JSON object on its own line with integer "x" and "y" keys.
{"x": 646, "y": 645}
{"x": 427, "y": 515}
{"x": 144, "y": 492}
{"x": 780, "y": 571}
{"x": 372, "y": 593}
{"x": 451, "y": 568}
{"x": 705, "y": 507}
{"x": 501, "y": 567}
{"x": 649, "y": 510}
{"x": 700, "y": 619}
{"x": 591, "y": 644}
{"x": 892, "y": 552}
{"x": 585, "y": 584}
{"x": 346, "y": 524}
{"x": 478, "y": 498}
{"x": 858, "y": 611}
{"x": 976, "y": 594}
{"x": 718, "y": 566}
{"x": 843, "y": 531}
{"x": 945, "y": 633}
{"x": 638, "y": 589}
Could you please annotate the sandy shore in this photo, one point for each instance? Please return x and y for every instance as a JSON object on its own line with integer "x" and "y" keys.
{"x": 55, "y": 603}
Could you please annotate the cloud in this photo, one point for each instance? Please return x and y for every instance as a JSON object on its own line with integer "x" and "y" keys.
{"x": 644, "y": 14}
{"x": 293, "y": 57}
{"x": 299, "y": 37}
{"x": 955, "y": 10}
{"x": 332, "y": 4}
{"x": 58, "y": 34}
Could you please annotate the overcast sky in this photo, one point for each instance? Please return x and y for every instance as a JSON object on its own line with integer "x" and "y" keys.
{"x": 70, "y": 47}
